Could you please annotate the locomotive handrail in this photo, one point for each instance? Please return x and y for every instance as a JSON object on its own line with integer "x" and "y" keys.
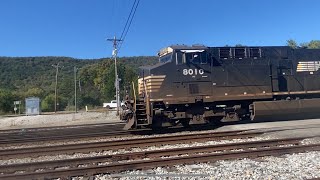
{"x": 134, "y": 97}
{"x": 145, "y": 89}
{"x": 147, "y": 100}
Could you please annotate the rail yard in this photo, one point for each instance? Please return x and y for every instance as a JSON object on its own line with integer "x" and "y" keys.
{"x": 190, "y": 90}
{"x": 105, "y": 151}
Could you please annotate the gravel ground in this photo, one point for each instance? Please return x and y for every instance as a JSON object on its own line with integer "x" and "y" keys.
{"x": 294, "y": 166}
{"x": 57, "y": 120}
{"x": 277, "y": 124}
{"x": 294, "y": 133}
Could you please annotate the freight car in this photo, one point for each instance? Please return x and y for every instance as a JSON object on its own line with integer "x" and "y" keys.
{"x": 198, "y": 85}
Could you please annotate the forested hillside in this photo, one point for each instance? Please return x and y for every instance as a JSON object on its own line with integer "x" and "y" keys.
{"x": 27, "y": 72}
{"x": 22, "y": 77}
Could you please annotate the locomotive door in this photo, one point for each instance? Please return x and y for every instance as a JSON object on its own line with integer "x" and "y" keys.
{"x": 195, "y": 73}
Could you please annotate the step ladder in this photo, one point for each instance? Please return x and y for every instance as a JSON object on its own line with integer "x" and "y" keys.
{"x": 141, "y": 113}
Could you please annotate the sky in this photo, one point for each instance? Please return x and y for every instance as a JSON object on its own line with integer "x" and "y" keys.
{"x": 79, "y": 28}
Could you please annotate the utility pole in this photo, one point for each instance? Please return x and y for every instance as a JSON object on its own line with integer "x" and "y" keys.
{"x": 56, "y": 87}
{"x": 114, "y": 54}
{"x": 75, "y": 89}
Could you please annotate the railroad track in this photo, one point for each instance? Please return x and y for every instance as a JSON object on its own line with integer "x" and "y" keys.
{"x": 141, "y": 142}
{"x": 61, "y": 133}
{"x": 157, "y": 158}
{"x": 45, "y": 129}
{"x": 78, "y": 132}
{"x": 84, "y": 132}
{"x": 122, "y": 144}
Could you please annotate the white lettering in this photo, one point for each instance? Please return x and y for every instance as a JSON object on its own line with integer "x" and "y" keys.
{"x": 192, "y": 72}
{"x": 185, "y": 72}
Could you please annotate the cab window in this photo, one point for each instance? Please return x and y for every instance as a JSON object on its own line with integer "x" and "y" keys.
{"x": 166, "y": 58}
{"x": 196, "y": 58}
{"x": 191, "y": 57}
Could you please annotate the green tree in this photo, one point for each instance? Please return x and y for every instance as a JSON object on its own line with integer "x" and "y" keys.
{"x": 47, "y": 104}
{"x": 314, "y": 44}
{"x": 35, "y": 92}
{"x": 292, "y": 43}
{"x": 240, "y": 45}
{"x": 6, "y": 100}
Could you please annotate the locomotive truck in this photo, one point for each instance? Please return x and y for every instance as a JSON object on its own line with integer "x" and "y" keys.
{"x": 198, "y": 84}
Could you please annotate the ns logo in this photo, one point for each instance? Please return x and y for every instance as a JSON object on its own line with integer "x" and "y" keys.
{"x": 192, "y": 72}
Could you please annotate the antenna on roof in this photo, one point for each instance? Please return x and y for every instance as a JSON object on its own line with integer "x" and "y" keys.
{"x": 198, "y": 45}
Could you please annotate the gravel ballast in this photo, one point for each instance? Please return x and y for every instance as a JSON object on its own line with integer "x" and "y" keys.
{"x": 54, "y": 120}
{"x": 294, "y": 166}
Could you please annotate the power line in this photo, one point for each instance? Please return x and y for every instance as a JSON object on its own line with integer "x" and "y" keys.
{"x": 126, "y": 28}
{"x": 128, "y": 19}
{"x": 116, "y": 50}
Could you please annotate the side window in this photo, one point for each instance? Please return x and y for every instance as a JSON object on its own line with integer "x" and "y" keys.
{"x": 225, "y": 53}
{"x": 255, "y": 53}
{"x": 240, "y": 53}
{"x": 179, "y": 58}
{"x": 166, "y": 58}
{"x": 204, "y": 58}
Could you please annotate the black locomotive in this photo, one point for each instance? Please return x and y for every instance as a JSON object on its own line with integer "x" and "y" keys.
{"x": 198, "y": 84}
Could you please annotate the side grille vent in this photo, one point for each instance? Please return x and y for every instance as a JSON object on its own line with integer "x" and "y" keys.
{"x": 193, "y": 88}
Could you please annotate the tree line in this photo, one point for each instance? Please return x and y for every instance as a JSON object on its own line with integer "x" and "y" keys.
{"x": 313, "y": 44}
{"x": 22, "y": 77}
